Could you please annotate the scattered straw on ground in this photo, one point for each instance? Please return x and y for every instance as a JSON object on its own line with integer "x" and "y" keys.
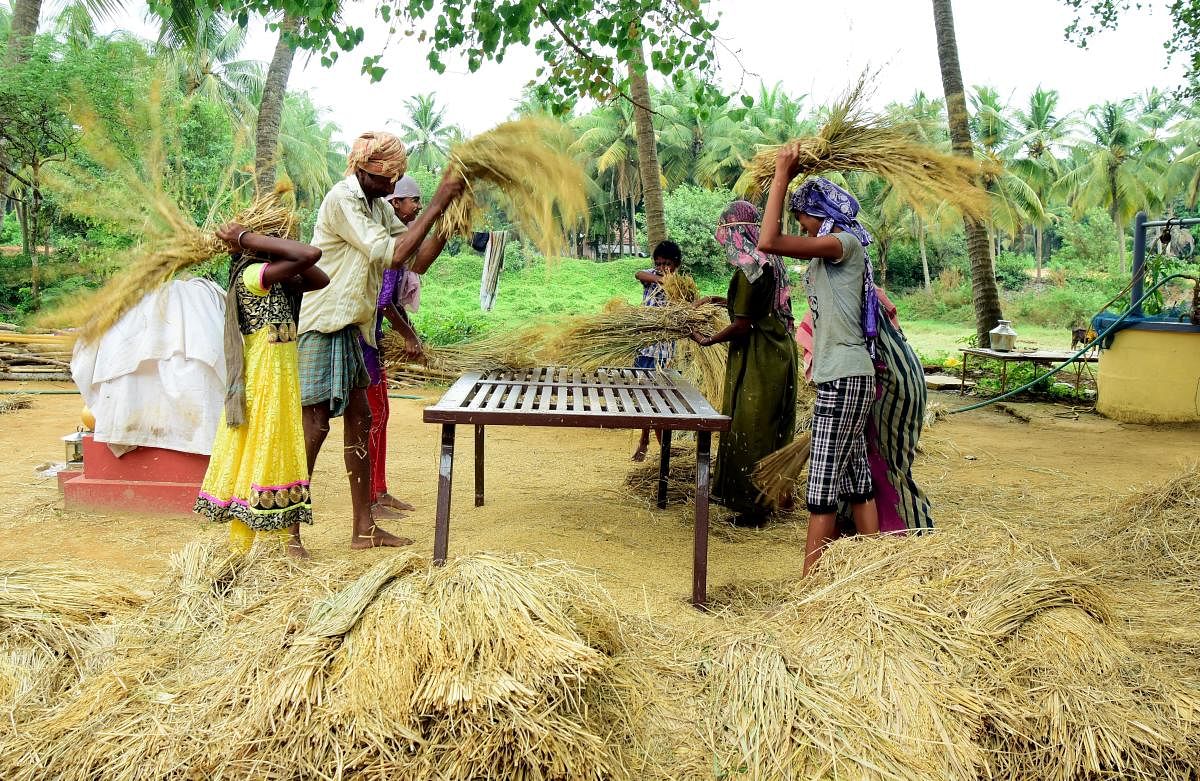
{"x": 1025, "y": 647}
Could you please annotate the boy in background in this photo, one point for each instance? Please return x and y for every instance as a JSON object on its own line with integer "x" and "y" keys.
{"x": 667, "y": 260}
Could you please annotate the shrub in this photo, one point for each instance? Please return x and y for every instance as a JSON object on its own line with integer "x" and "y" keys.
{"x": 10, "y": 229}
{"x": 691, "y": 216}
{"x": 1011, "y": 270}
{"x": 1087, "y": 244}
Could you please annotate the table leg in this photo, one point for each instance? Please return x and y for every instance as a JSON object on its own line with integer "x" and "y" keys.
{"x": 441, "y": 531}
{"x": 962, "y": 382}
{"x": 700, "y": 542}
{"x": 478, "y": 465}
{"x": 1003, "y": 376}
{"x": 664, "y": 468}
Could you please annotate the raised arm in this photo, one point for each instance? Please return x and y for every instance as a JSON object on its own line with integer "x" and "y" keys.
{"x": 410, "y": 246}
{"x": 287, "y": 258}
{"x": 771, "y": 238}
{"x": 647, "y": 277}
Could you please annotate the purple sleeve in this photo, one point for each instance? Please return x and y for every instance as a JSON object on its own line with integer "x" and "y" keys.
{"x": 387, "y": 293}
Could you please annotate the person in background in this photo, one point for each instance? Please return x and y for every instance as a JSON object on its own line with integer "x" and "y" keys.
{"x": 399, "y": 295}
{"x": 760, "y": 375}
{"x": 359, "y": 235}
{"x": 844, "y": 309}
{"x": 667, "y": 260}
{"x": 257, "y": 478}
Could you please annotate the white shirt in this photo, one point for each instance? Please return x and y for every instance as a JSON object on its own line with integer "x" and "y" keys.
{"x": 357, "y": 238}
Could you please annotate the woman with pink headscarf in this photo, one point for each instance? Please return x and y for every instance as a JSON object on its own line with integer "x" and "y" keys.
{"x": 760, "y": 374}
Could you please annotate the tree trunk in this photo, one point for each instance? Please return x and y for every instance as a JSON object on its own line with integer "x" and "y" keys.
{"x": 632, "y": 232}
{"x": 984, "y": 294}
{"x": 270, "y": 110}
{"x": 924, "y": 255}
{"x": 647, "y": 146}
{"x": 1117, "y": 221}
{"x": 24, "y": 24}
{"x": 23, "y": 223}
{"x": 1038, "y": 238}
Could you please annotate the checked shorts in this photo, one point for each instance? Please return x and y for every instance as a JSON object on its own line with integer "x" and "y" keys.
{"x": 837, "y": 466}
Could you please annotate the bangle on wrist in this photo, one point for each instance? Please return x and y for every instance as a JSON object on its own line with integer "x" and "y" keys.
{"x": 239, "y": 240}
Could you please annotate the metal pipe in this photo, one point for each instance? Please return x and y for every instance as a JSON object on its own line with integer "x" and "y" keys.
{"x": 1182, "y": 223}
{"x": 1139, "y": 264}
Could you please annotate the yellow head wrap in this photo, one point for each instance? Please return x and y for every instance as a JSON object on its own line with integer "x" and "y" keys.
{"x": 379, "y": 153}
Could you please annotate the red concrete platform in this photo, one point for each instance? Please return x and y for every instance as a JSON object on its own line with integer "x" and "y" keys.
{"x": 145, "y": 480}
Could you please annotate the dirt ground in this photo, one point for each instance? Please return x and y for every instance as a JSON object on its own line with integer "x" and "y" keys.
{"x": 559, "y": 493}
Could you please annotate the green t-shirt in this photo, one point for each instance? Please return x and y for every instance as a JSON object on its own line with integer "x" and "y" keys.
{"x": 835, "y": 297}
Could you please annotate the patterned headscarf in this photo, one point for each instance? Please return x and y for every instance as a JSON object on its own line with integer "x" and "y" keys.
{"x": 378, "y": 153}
{"x": 737, "y": 232}
{"x": 837, "y": 208}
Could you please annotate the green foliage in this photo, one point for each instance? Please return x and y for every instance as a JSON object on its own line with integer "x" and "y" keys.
{"x": 1087, "y": 243}
{"x": 1011, "y": 270}
{"x": 10, "y": 230}
{"x": 691, "y": 216}
{"x": 585, "y": 44}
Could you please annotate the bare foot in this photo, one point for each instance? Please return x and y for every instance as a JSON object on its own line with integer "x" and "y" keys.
{"x": 387, "y": 500}
{"x": 639, "y": 455}
{"x": 381, "y": 512}
{"x": 296, "y": 550}
{"x": 378, "y": 538}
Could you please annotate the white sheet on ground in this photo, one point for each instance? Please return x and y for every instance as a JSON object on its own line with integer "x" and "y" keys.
{"x": 157, "y": 378}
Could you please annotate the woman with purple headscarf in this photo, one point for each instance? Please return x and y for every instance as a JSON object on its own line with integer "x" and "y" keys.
{"x": 870, "y": 384}
{"x": 760, "y": 374}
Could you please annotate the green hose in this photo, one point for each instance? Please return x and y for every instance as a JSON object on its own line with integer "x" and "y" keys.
{"x": 1086, "y": 347}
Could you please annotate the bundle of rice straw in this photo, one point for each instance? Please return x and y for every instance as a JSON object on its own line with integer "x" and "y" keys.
{"x": 855, "y": 139}
{"x": 614, "y": 336}
{"x": 135, "y": 193}
{"x": 519, "y": 349}
{"x": 776, "y": 475}
{"x": 703, "y": 367}
{"x": 159, "y": 259}
{"x": 525, "y": 160}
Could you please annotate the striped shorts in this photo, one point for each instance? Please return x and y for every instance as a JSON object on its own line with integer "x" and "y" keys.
{"x": 837, "y": 466}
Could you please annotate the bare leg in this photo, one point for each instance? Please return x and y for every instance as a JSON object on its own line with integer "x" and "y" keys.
{"x": 357, "y": 425}
{"x": 639, "y": 455}
{"x": 383, "y": 512}
{"x": 821, "y": 530}
{"x": 866, "y": 517}
{"x": 316, "y": 427}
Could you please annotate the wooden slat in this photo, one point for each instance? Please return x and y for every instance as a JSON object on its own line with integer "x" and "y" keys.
{"x": 649, "y": 388}
{"x": 578, "y": 402}
{"x": 530, "y": 401}
{"x": 593, "y": 395}
{"x": 543, "y": 402}
{"x": 628, "y": 405}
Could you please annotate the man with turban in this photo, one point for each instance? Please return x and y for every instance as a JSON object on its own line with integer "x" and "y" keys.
{"x": 359, "y": 236}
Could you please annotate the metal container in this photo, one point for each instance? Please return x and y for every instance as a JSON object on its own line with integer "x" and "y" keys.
{"x": 1003, "y": 338}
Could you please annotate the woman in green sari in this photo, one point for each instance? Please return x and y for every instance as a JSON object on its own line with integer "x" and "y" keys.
{"x": 760, "y": 376}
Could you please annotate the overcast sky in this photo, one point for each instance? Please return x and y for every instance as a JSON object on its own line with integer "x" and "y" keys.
{"x": 812, "y": 48}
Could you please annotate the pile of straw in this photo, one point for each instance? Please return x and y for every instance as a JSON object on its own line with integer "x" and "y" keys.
{"x": 525, "y": 160}
{"x": 642, "y": 480}
{"x": 855, "y": 139}
{"x": 253, "y": 666}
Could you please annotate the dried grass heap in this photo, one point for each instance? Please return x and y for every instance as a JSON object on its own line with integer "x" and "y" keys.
{"x": 855, "y": 139}
{"x": 526, "y": 163}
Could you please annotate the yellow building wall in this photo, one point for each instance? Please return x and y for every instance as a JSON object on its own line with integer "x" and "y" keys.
{"x": 1150, "y": 377}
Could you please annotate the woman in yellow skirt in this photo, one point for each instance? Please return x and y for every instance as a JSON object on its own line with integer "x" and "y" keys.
{"x": 257, "y": 477}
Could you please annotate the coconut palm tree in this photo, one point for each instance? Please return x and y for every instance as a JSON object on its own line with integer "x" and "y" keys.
{"x": 700, "y": 143}
{"x": 1014, "y": 203}
{"x": 271, "y": 105}
{"x": 1040, "y": 134}
{"x": 309, "y": 156}
{"x": 985, "y": 296}
{"x": 426, "y": 132}
{"x": 607, "y": 140}
{"x": 647, "y": 146}
{"x": 1119, "y": 167}
{"x": 203, "y": 49}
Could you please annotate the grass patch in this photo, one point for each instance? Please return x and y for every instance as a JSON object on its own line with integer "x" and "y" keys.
{"x": 450, "y": 311}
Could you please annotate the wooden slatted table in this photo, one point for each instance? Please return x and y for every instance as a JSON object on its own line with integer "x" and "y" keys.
{"x": 559, "y": 396}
